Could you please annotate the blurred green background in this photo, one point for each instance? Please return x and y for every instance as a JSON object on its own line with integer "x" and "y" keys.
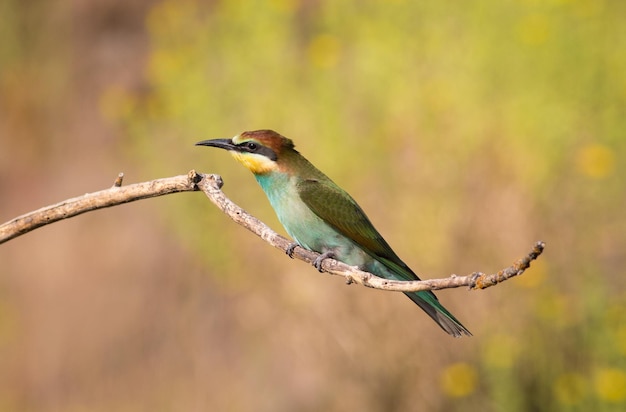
{"x": 466, "y": 130}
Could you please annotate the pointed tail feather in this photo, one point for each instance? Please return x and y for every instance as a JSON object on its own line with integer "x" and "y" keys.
{"x": 430, "y": 304}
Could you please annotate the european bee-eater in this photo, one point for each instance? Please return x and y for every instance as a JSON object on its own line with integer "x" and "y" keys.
{"x": 320, "y": 216}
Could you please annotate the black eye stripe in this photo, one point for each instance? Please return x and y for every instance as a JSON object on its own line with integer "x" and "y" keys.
{"x": 252, "y": 147}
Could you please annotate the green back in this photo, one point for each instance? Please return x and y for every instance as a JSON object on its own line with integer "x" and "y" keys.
{"x": 333, "y": 205}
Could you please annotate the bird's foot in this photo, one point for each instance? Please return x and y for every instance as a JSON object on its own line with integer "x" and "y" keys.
{"x": 318, "y": 261}
{"x": 291, "y": 248}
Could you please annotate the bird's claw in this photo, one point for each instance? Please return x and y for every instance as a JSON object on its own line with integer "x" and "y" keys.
{"x": 291, "y": 248}
{"x": 320, "y": 259}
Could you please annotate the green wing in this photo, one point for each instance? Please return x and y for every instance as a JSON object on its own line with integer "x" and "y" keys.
{"x": 338, "y": 209}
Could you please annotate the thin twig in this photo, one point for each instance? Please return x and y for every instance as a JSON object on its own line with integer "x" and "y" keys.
{"x": 119, "y": 180}
{"x": 211, "y": 185}
{"x": 113, "y": 196}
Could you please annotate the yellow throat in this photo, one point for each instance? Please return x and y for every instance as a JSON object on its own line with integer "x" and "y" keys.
{"x": 257, "y": 164}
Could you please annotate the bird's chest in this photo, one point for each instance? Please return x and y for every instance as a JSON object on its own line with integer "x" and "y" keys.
{"x": 304, "y": 226}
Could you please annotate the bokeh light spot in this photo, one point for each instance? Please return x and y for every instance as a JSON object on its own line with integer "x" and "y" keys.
{"x": 459, "y": 380}
{"x": 610, "y": 384}
{"x": 596, "y": 161}
{"x": 324, "y": 51}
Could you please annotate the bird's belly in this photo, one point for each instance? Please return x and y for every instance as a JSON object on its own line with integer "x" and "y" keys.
{"x": 312, "y": 233}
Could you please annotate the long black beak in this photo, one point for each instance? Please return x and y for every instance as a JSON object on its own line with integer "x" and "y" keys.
{"x": 221, "y": 143}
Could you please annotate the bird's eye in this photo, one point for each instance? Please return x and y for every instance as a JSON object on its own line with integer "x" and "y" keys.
{"x": 251, "y": 145}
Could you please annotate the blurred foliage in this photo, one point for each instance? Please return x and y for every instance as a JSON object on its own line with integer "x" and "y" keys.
{"x": 522, "y": 96}
{"x": 467, "y": 130}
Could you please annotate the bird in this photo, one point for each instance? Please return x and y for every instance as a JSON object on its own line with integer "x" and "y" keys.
{"x": 322, "y": 217}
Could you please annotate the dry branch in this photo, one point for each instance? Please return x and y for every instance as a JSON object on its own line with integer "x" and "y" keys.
{"x": 211, "y": 185}
{"x": 113, "y": 196}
